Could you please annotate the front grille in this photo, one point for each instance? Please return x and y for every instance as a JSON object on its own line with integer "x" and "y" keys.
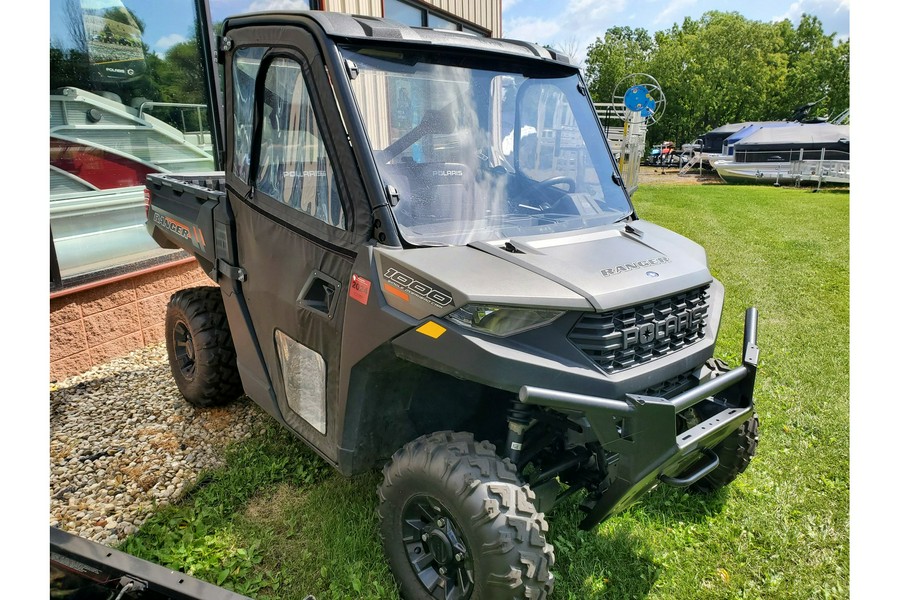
{"x": 671, "y": 387}
{"x": 627, "y": 337}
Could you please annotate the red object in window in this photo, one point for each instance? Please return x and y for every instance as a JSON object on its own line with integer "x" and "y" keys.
{"x": 104, "y": 170}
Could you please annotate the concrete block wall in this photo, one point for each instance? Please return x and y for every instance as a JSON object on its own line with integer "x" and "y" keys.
{"x": 94, "y": 325}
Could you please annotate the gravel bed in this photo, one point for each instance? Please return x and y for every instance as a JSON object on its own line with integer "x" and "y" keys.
{"x": 123, "y": 441}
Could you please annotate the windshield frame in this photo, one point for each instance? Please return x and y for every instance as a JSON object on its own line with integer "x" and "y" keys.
{"x": 530, "y": 72}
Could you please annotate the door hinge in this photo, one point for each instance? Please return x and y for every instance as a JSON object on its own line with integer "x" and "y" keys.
{"x": 230, "y": 271}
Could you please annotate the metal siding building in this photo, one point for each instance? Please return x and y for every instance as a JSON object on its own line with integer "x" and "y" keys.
{"x": 485, "y": 14}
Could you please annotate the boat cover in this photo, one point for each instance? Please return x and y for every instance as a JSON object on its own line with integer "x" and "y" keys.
{"x": 783, "y": 144}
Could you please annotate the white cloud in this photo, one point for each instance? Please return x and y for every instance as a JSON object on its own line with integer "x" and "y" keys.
{"x": 576, "y": 24}
{"x": 262, "y": 5}
{"x": 531, "y": 29}
{"x": 167, "y": 41}
{"x": 675, "y": 8}
{"x": 834, "y": 14}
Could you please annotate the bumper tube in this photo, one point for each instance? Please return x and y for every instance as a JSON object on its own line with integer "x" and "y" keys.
{"x": 638, "y": 433}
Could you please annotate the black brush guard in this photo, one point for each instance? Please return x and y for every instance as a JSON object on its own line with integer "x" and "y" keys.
{"x": 638, "y": 433}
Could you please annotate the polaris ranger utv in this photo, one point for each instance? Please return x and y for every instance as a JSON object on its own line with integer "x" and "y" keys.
{"x": 427, "y": 261}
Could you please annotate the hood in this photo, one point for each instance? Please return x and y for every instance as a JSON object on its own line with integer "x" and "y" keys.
{"x": 600, "y": 269}
{"x": 612, "y": 267}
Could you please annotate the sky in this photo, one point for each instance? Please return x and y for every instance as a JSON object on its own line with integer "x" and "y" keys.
{"x": 575, "y": 24}
{"x": 568, "y": 25}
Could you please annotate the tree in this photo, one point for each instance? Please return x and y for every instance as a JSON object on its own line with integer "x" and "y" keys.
{"x": 817, "y": 70}
{"x": 622, "y": 51}
{"x": 724, "y": 68}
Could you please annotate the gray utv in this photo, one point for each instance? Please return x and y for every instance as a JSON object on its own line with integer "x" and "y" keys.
{"x": 427, "y": 262}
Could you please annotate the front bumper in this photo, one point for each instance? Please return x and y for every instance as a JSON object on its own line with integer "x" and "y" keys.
{"x": 639, "y": 433}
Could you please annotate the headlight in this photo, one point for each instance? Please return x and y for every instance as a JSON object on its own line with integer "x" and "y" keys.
{"x": 502, "y": 320}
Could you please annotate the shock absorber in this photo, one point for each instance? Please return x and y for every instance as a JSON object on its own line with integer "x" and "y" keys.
{"x": 519, "y": 418}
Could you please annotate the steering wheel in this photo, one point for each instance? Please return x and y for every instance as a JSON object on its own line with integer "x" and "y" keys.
{"x": 559, "y": 179}
{"x": 551, "y": 182}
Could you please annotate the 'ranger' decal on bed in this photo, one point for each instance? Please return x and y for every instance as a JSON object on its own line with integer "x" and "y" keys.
{"x": 178, "y": 228}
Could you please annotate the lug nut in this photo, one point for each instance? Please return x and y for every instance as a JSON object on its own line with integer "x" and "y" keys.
{"x": 443, "y": 570}
{"x": 441, "y": 522}
{"x": 458, "y": 557}
{"x": 424, "y": 537}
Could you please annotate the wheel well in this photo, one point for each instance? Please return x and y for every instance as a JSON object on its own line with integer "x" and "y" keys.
{"x": 392, "y": 401}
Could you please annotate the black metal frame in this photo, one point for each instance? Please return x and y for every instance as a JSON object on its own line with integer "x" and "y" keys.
{"x": 114, "y": 570}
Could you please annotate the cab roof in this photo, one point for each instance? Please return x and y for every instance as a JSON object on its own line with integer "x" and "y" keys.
{"x": 344, "y": 27}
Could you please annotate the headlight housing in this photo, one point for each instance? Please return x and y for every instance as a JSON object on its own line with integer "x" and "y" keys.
{"x": 502, "y": 321}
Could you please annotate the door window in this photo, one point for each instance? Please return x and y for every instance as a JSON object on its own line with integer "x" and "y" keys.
{"x": 294, "y": 166}
{"x": 245, "y": 67}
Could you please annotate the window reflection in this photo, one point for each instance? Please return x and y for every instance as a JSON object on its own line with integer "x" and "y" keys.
{"x": 127, "y": 98}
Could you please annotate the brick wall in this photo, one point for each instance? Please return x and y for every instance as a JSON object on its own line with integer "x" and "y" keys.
{"x": 95, "y": 325}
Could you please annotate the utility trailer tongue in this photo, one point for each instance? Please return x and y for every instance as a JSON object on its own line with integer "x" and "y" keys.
{"x": 86, "y": 570}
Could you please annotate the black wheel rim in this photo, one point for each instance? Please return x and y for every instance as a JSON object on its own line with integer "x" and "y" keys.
{"x": 437, "y": 552}
{"x": 183, "y": 342}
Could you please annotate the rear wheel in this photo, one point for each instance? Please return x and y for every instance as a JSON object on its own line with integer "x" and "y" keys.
{"x": 201, "y": 352}
{"x": 457, "y": 523}
{"x": 735, "y": 453}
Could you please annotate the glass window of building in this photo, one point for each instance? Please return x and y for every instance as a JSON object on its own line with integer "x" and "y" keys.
{"x": 128, "y": 97}
{"x": 438, "y": 22}
{"x": 404, "y": 13}
{"x": 475, "y": 31}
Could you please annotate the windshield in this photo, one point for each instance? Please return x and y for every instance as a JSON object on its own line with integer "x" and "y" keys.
{"x": 479, "y": 153}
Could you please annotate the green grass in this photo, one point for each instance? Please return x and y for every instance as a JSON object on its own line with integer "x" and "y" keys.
{"x": 277, "y": 523}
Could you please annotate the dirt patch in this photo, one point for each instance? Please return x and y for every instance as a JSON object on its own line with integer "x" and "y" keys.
{"x": 265, "y": 508}
{"x": 217, "y": 419}
{"x": 670, "y": 176}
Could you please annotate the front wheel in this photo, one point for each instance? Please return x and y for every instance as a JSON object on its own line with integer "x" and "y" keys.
{"x": 457, "y": 523}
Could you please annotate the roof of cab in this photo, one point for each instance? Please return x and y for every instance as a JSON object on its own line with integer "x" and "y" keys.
{"x": 356, "y": 27}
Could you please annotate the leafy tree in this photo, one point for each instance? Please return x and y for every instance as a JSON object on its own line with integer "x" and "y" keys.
{"x": 722, "y": 68}
{"x": 180, "y": 74}
{"x": 816, "y": 71}
{"x": 622, "y": 51}
{"x": 725, "y": 68}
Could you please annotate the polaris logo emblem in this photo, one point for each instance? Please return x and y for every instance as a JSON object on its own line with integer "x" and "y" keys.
{"x": 633, "y": 266}
{"x": 443, "y": 173}
{"x": 681, "y": 323}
